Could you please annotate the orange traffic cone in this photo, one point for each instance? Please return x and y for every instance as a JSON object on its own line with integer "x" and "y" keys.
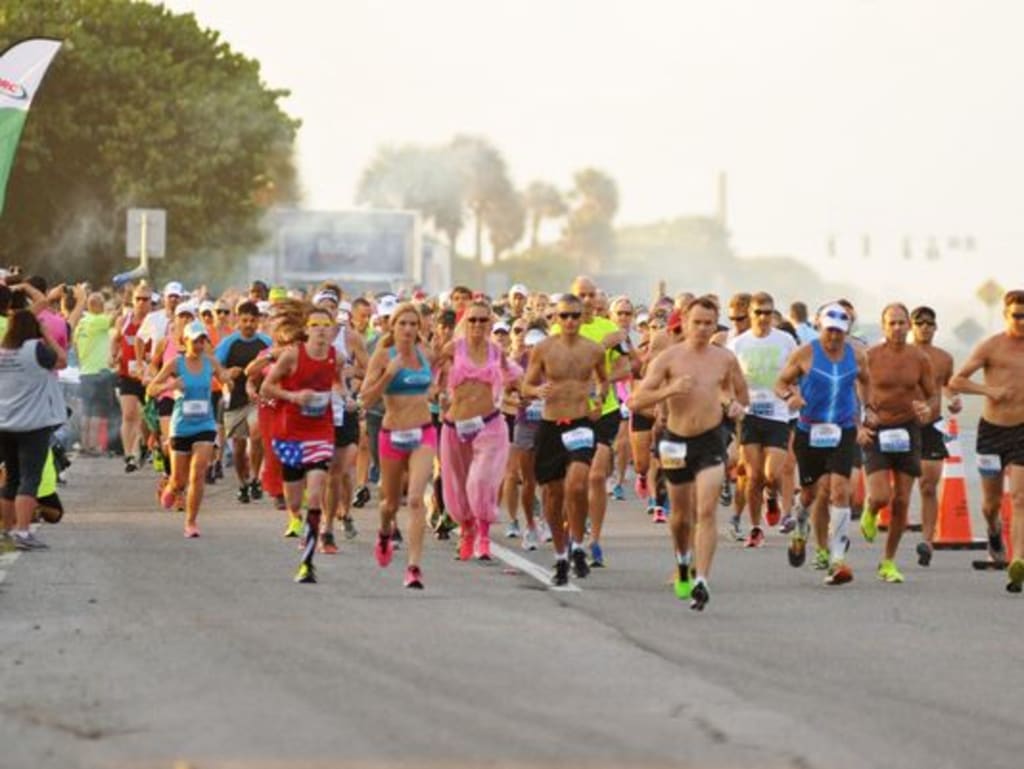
{"x": 953, "y": 528}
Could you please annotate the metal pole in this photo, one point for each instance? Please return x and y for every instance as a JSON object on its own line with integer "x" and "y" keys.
{"x": 143, "y": 256}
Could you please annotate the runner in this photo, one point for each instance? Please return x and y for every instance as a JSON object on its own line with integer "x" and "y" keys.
{"x": 474, "y": 438}
{"x": 764, "y": 432}
{"x": 131, "y": 391}
{"x": 561, "y": 374}
{"x": 739, "y": 317}
{"x": 399, "y": 375}
{"x": 193, "y": 429}
{"x": 524, "y": 438}
{"x": 1001, "y": 429}
{"x": 241, "y": 416}
{"x": 828, "y": 371}
{"x": 165, "y": 350}
{"x": 903, "y": 397}
{"x": 691, "y": 378}
{"x": 302, "y": 380}
{"x": 933, "y": 436}
{"x": 622, "y": 314}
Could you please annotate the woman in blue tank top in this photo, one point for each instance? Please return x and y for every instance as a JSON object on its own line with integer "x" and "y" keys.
{"x": 193, "y": 426}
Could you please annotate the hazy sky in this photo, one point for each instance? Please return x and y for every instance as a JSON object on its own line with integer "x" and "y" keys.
{"x": 893, "y": 118}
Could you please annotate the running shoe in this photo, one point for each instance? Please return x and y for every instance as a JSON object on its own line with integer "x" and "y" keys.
{"x": 787, "y": 524}
{"x": 736, "y": 527}
{"x": 211, "y": 476}
{"x": 924, "y": 554}
{"x": 756, "y": 538}
{"x": 887, "y": 572}
{"x": 618, "y": 493}
{"x": 530, "y": 539}
{"x": 168, "y": 497}
{"x": 306, "y": 574}
{"x": 243, "y": 494}
{"x": 384, "y": 549}
{"x": 1016, "y": 574}
{"x": 349, "y": 525}
{"x": 560, "y": 577}
{"x": 640, "y": 486}
{"x": 580, "y": 568}
{"x": 683, "y": 585}
{"x": 255, "y": 491}
{"x": 699, "y": 596}
{"x": 294, "y": 528}
{"x": 218, "y": 469}
{"x": 483, "y": 548}
{"x": 821, "y": 558}
{"x": 869, "y": 524}
{"x": 512, "y": 532}
{"x": 544, "y": 531}
{"x": 467, "y": 537}
{"x": 191, "y": 531}
{"x": 361, "y": 497}
{"x": 596, "y": 556}
{"x": 996, "y": 549}
{"x": 413, "y": 578}
{"x": 129, "y": 464}
{"x": 159, "y": 463}
{"x": 797, "y": 552}
{"x": 659, "y": 515}
{"x": 771, "y": 509}
{"x": 725, "y": 496}
{"x": 651, "y": 504}
{"x": 327, "y": 544}
{"x": 396, "y": 538}
{"x": 28, "y": 541}
{"x": 839, "y": 574}
{"x": 279, "y": 503}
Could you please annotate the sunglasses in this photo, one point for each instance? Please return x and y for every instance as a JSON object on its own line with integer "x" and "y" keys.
{"x": 926, "y": 322}
{"x": 478, "y": 320}
{"x": 570, "y": 315}
{"x": 738, "y": 318}
{"x": 837, "y": 315}
{"x": 223, "y": 312}
{"x": 319, "y": 324}
{"x": 625, "y": 313}
{"x": 516, "y": 330}
{"x": 588, "y": 295}
{"x": 762, "y": 313}
{"x": 142, "y": 298}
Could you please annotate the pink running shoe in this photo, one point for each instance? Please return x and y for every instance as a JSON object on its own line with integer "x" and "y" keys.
{"x": 640, "y": 486}
{"x": 659, "y": 515}
{"x": 483, "y": 548}
{"x": 191, "y": 531}
{"x": 168, "y": 497}
{"x": 467, "y": 536}
{"x": 384, "y": 549}
{"x": 413, "y": 578}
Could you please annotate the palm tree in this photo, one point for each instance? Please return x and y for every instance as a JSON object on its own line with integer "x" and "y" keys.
{"x": 543, "y": 201}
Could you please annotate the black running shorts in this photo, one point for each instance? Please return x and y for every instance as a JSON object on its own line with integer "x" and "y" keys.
{"x": 551, "y": 457}
{"x": 906, "y": 462}
{"x": 816, "y": 462}
{"x": 764, "y": 432}
{"x": 702, "y": 451}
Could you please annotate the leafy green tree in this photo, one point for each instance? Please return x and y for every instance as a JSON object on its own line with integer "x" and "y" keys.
{"x": 589, "y": 235}
{"x": 143, "y": 108}
{"x": 543, "y": 201}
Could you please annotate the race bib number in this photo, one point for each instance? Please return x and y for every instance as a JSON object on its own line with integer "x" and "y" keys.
{"x": 195, "y": 408}
{"x": 534, "y": 411}
{"x": 407, "y": 440}
{"x": 895, "y": 441}
{"x": 317, "y": 405}
{"x": 338, "y": 409}
{"x": 942, "y": 427}
{"x": 762, "y": 404}
{"x": 672, "y": 454}
{"x": 578, "y": 439}
{"x": 990, "y": 465}
{"x": 825, "y": 436}
{"x": 468, "y": 429}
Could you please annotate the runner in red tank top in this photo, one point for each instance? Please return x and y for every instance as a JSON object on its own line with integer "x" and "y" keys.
{"x": 131, "y": 391}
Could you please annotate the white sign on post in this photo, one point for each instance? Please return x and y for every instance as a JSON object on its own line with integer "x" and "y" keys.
{"x": 147, "y": 233}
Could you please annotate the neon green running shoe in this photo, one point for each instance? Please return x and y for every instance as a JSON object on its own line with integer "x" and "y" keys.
{"x": 295, "y": 526}
{"x": 306, "y": 574}
{"x": 1016, "y": 574}
{"x": 887, "y": 572}
{"x": 869, "y": 525}
{"x": 821, "y": 559}
{"x": 683, "y": 582}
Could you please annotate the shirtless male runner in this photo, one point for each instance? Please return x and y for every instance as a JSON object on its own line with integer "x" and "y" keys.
{"x": 1000, "y": 443}
{"x": 567, "y": 364}
{"x": 692, "y": 377}
{"x": 903, "y": 397}
{"x": 933, "y": 436}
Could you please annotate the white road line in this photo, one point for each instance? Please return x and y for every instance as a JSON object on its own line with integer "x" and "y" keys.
{"x": 527, "y": 566}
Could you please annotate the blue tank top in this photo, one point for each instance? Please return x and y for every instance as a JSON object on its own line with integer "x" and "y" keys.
{"x": 829, "y": 389}
{"x": 409, "y": 381}
{"x": 193, "y": 411}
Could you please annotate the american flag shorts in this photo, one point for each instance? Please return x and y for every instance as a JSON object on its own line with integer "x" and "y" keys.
{"x": 300, "y": 453}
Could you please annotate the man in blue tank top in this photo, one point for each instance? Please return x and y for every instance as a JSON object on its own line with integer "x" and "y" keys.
{"x": 828, "y": 370}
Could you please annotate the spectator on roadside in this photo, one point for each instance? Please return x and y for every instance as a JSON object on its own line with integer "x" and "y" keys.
{"x": 92, "y": 346}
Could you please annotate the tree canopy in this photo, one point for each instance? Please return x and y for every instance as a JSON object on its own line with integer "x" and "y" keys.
{"x": 141, "y": 108}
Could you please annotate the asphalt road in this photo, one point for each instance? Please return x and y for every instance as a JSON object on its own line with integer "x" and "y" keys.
{"x": 128, "y": 646}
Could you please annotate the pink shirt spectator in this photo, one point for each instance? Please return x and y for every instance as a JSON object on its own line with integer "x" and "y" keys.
{"x": 56, "y": 326}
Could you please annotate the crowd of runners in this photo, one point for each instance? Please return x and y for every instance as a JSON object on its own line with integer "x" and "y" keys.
{"x": 458, "y": 406}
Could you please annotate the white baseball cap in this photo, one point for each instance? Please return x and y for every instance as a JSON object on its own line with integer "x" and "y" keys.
{"x": 834, "y": 316}
{"x": 325, "y": 296}
{"x": 534, "y": 337}
{"x": 185, "y": 309}
{"x": 206, "y": 306}
{"x": 500, "y": 326}
{"x": 195, "y": 330}
{"x": 386, "y": 306}
{"x": 174, "y": 288}
{"x": 520, "y": 289}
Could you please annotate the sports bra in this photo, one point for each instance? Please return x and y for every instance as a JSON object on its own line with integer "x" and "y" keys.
{"x": 464, "y": 369}
{"x": 409, "y": 381}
